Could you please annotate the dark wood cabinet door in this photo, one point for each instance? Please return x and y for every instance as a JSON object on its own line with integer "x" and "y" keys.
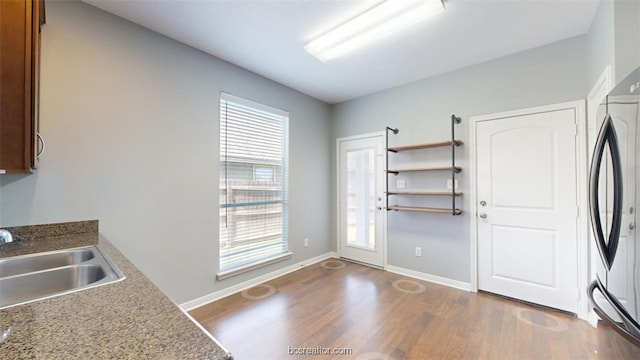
{"x": 20, "y": 22}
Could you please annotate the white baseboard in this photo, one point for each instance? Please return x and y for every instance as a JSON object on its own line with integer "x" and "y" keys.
{"x": 430, "y": 278}
{"x": 190, "y": 305}
{"x": 593, "y": 318}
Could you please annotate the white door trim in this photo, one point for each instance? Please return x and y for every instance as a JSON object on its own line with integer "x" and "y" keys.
{"x": 338, "y": 176}
{"x": 581, "y": 171}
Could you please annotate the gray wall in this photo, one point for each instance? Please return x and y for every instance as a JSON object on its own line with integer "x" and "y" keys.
{"x": 421, "y": 110}
{"x": 614, "y": 40}
{"x": 131, "y": 123}
{"x": 627, "y": 37}
{"x": 600, "y": 42}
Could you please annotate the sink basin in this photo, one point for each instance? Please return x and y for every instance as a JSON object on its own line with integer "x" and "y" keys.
{"x": 18, "y": 289}
{"x": 34, "y": 277}
{"x": 34, "y": 262}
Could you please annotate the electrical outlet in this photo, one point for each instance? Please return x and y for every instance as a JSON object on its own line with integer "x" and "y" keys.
{"x": 401, "y": 183}
{"x": 306, "y": 242}
{"x": 449, "y": 184}
{"x": 418, "y": 251}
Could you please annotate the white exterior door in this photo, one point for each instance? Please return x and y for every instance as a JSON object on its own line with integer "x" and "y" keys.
{"x": 360, "y": 199}
{"x": 527, "y": 207}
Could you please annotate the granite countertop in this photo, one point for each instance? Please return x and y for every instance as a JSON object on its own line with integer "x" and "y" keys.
{"x": 129, "y": 319}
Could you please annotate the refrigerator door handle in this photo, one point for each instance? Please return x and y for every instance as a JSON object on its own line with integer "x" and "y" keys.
{"x": 628, "y": 328}
{"x": 607, "y": 247}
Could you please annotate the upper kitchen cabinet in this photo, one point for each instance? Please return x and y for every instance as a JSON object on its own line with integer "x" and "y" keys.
{"x": 20, "y": 23}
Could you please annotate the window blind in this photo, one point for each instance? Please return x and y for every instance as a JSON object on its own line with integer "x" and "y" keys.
{"x": 253, "y": 182}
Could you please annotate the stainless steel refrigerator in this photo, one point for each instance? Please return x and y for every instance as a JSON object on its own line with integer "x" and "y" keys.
{"x": 613, "y": 203}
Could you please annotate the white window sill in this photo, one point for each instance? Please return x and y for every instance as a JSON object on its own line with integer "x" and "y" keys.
{"x": 243, "y": 269}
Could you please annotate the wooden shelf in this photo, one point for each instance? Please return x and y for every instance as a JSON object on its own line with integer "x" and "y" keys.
{"x": 452, "y": 169}
{"x": 435, "y": 168}
{"x": 425, "y": 209}
{"x": 425, "y": 146}
{"x": 412, "y": 192}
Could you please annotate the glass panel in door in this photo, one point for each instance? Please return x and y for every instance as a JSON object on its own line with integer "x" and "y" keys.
{"x": 361, "y": 202}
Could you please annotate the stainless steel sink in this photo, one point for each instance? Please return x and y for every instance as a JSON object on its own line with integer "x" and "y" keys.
{"x": 42, "y": 261}
{"x": 39, "y": 276}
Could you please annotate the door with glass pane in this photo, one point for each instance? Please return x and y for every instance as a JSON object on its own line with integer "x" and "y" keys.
{"x": 361, "y": 200}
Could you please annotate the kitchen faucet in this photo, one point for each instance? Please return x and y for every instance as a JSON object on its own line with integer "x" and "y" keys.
{"x": 5, "y": 238}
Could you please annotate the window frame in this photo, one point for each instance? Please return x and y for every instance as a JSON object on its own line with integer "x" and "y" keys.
{"x": 283, "y": 164}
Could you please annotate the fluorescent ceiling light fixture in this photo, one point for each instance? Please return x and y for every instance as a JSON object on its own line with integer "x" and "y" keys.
{"x": 384, "y": 19}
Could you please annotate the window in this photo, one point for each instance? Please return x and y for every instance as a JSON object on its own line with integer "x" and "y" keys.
{"x": 262, "y": 173}
{"x": 253, "y": 185}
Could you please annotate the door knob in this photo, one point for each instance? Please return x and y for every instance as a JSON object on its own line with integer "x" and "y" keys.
{"x": 483, "y": 203}
{"x": 483, "y": 215}
{"x": 632, "y": 226}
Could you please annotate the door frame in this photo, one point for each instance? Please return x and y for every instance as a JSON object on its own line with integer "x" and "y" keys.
{"x": 596, "y": 95}
{"x": 381, "y": 134}
{"x": 583, "y": 229}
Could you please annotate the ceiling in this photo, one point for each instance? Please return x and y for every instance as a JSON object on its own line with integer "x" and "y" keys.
{"x": 267, "y": 37}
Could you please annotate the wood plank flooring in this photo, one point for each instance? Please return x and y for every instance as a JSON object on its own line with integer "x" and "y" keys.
{"x": 379, "y": 315}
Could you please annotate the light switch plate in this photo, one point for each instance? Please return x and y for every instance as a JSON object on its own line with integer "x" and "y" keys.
{"x": 401, "y": 183}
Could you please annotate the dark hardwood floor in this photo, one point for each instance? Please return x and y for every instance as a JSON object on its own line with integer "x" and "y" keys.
{"x": 379, "y": 315}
